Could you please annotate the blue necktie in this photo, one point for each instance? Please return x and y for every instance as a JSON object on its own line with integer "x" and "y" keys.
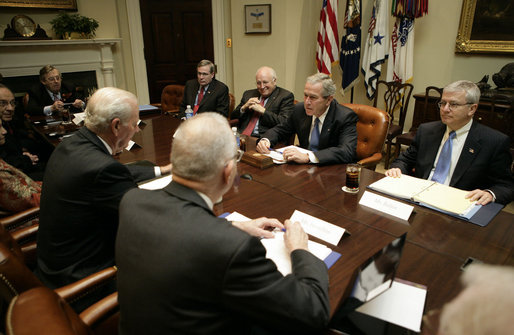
{"x": 314, "y": 136}
{"x": 443, "y": 163}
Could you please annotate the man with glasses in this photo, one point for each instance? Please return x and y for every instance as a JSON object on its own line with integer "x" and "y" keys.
{"x": 264, "y": 107}
{"x": 52, "y": 93}
{"x": 205, "y": 94}
{"x": 20, "y": 149}
{"x": 460, "y": 152}
{"x": 323, "y": 126}
{"x": 183, "y": 270}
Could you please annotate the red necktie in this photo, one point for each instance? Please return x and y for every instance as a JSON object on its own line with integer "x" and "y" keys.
{"x": 253, "y": 121}
{"x": 198, "y": 100}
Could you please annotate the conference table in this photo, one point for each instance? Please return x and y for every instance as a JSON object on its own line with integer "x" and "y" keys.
{"x": 436, "y": 247}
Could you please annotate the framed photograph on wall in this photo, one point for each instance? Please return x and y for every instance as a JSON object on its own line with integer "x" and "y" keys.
{"x": 54, "y": 4}
{"x": 485, "y": 27}
{"x": 258, "y": 19}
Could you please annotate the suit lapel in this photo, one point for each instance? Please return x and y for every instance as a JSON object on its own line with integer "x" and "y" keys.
{"x": 93, "y": 138}
{"x": 324, "y": 135}
{"x": 434, "y": 137}
{"x": 209, "y": 92}
{"x": 305, "y": 127}
{"x": 271, "y": 98}
{"x": 470, "y": 150}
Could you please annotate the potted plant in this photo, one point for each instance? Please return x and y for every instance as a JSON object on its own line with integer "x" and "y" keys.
{"x": 74, "y": 26}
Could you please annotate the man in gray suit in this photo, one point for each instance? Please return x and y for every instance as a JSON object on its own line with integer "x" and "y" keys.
{"x": 264, "y": 107}
{"x": 184, "y": 270}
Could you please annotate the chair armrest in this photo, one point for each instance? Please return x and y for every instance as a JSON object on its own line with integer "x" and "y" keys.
{"x": 26, "y": 238}
{"x": 12, "y": 221}
{"x": 372, "y": 161}
{"x": 87, "y": 285}
{"x": 100, "y": 310}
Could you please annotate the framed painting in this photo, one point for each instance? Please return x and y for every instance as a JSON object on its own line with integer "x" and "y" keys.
{"x": 486, "y": 27}
{"x": 53, "y": 4}
{"x": 258, "y": 19}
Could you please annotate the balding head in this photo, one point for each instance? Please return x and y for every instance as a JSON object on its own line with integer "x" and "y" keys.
{"x": 266, "y": 80}
{"x": 201, "y": 147}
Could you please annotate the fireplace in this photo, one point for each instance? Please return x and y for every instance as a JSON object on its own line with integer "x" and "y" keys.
{"x": 88, "y": 64}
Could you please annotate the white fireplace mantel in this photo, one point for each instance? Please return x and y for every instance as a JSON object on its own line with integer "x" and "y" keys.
{"x": 23, "y": 58}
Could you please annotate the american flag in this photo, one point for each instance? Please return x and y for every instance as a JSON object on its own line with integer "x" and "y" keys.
{"x": 328, "y": 38}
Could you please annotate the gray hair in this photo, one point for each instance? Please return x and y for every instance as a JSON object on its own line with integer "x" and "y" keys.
{"x": 471, "y": 89}
{"x": 201, "y": 147}
{"x": 484, "y": 306}
{"x": 329, "y": 88}
{"x": 105, "y": 105}
{"x": 205, "y": 62}
{"x": 267, "y": 69}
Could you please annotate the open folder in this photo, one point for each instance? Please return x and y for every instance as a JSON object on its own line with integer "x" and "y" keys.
{"x": 443, "y": 198}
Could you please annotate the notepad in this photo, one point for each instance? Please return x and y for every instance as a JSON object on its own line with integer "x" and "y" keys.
{"x": 428, "y": 193}
{"x": 276, "y": 154}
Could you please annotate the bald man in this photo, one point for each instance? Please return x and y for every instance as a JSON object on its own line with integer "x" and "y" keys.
{"x": 264, "y": 107}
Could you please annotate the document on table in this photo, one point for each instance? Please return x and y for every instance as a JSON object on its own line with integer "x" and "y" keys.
{"x": 79, "y": 117}
{"x": 276, "y": 249}
{"x": 402, "y": 304}
{"x": 276, "y": 154}
{"x": 427, "y": 192}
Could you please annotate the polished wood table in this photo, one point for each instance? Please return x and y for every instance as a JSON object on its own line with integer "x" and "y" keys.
{"x": 436, "y": 247}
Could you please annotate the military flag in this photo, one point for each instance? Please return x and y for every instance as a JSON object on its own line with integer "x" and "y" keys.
{"x": 351, "y": 44}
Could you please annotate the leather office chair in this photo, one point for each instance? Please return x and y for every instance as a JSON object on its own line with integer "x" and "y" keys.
{"x": 21, "y": 219}
{"x": 408, "y": 138}
{"x": 171, "y": 98}
{"x": 371, "y": 133}
{"x": 396, "y": 96}
{"x": 50, "y": 314}
{"x": 17, "y": 277}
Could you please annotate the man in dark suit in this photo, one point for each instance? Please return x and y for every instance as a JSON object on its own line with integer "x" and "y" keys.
{"x": 52, "y": 93}
{"x": 478, "y": 159}
{"x": 205, "y": 94}
{"x": 183, "y": 270}
{"x": 265, "y": 107}
{"x": 323, "y": 126}
{"x": 82, "y": 188}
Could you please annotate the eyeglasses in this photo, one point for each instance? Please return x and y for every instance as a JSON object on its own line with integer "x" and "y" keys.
{"x": 56, "y": 78}
{"x": 4, "y": 103}
{"x": 238, "y": 155}
{"x": 451, "y": 105}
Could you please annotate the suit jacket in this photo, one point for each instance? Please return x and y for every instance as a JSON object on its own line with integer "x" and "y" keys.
{"x": 214, "y": 100}
{"x": 338, "y": 136}
{"x": 484, "y": 162}
{"x": 278, "y": 108}
{"x": 82, "y": 188}
{"x": 39, "y": 98}
{"x": 183, "y": 270}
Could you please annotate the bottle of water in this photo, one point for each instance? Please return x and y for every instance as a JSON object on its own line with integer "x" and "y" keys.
{"x": 238, "y": 137}
{"x": 189, "y": 112}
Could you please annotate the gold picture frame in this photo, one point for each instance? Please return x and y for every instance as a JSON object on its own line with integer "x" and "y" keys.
{"x": 54, "y": 4}
{"x": 480, "y": 28}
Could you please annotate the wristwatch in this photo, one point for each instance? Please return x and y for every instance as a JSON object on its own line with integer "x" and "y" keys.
{"x": 23, "y": 25}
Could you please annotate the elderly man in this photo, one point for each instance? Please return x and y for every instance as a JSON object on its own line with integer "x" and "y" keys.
{"x": 82, "y": 188}
{"x": 191, "y": 272}
{"x": 323, "y": 126}
{"x": 19, "y": 149}
{"x": 205, "y": 94}
{"x": 265, "y": 107}
{"x": 459, "y": 152}
{"x": 52, "y": 93}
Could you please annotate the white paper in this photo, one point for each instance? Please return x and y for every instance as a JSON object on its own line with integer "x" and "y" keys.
{"x": 130, "y": 145}
{"x": 404, "y": 187}
{"x": 79, "y": 117}
{"x": 276, "y": 251}
{"x": 316, "y": 227}
{"x": 156, "y": 184}
{"x": 276, "y": 154}
{"x": 402, "y": 305}
{"x": 386, "y": 205}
